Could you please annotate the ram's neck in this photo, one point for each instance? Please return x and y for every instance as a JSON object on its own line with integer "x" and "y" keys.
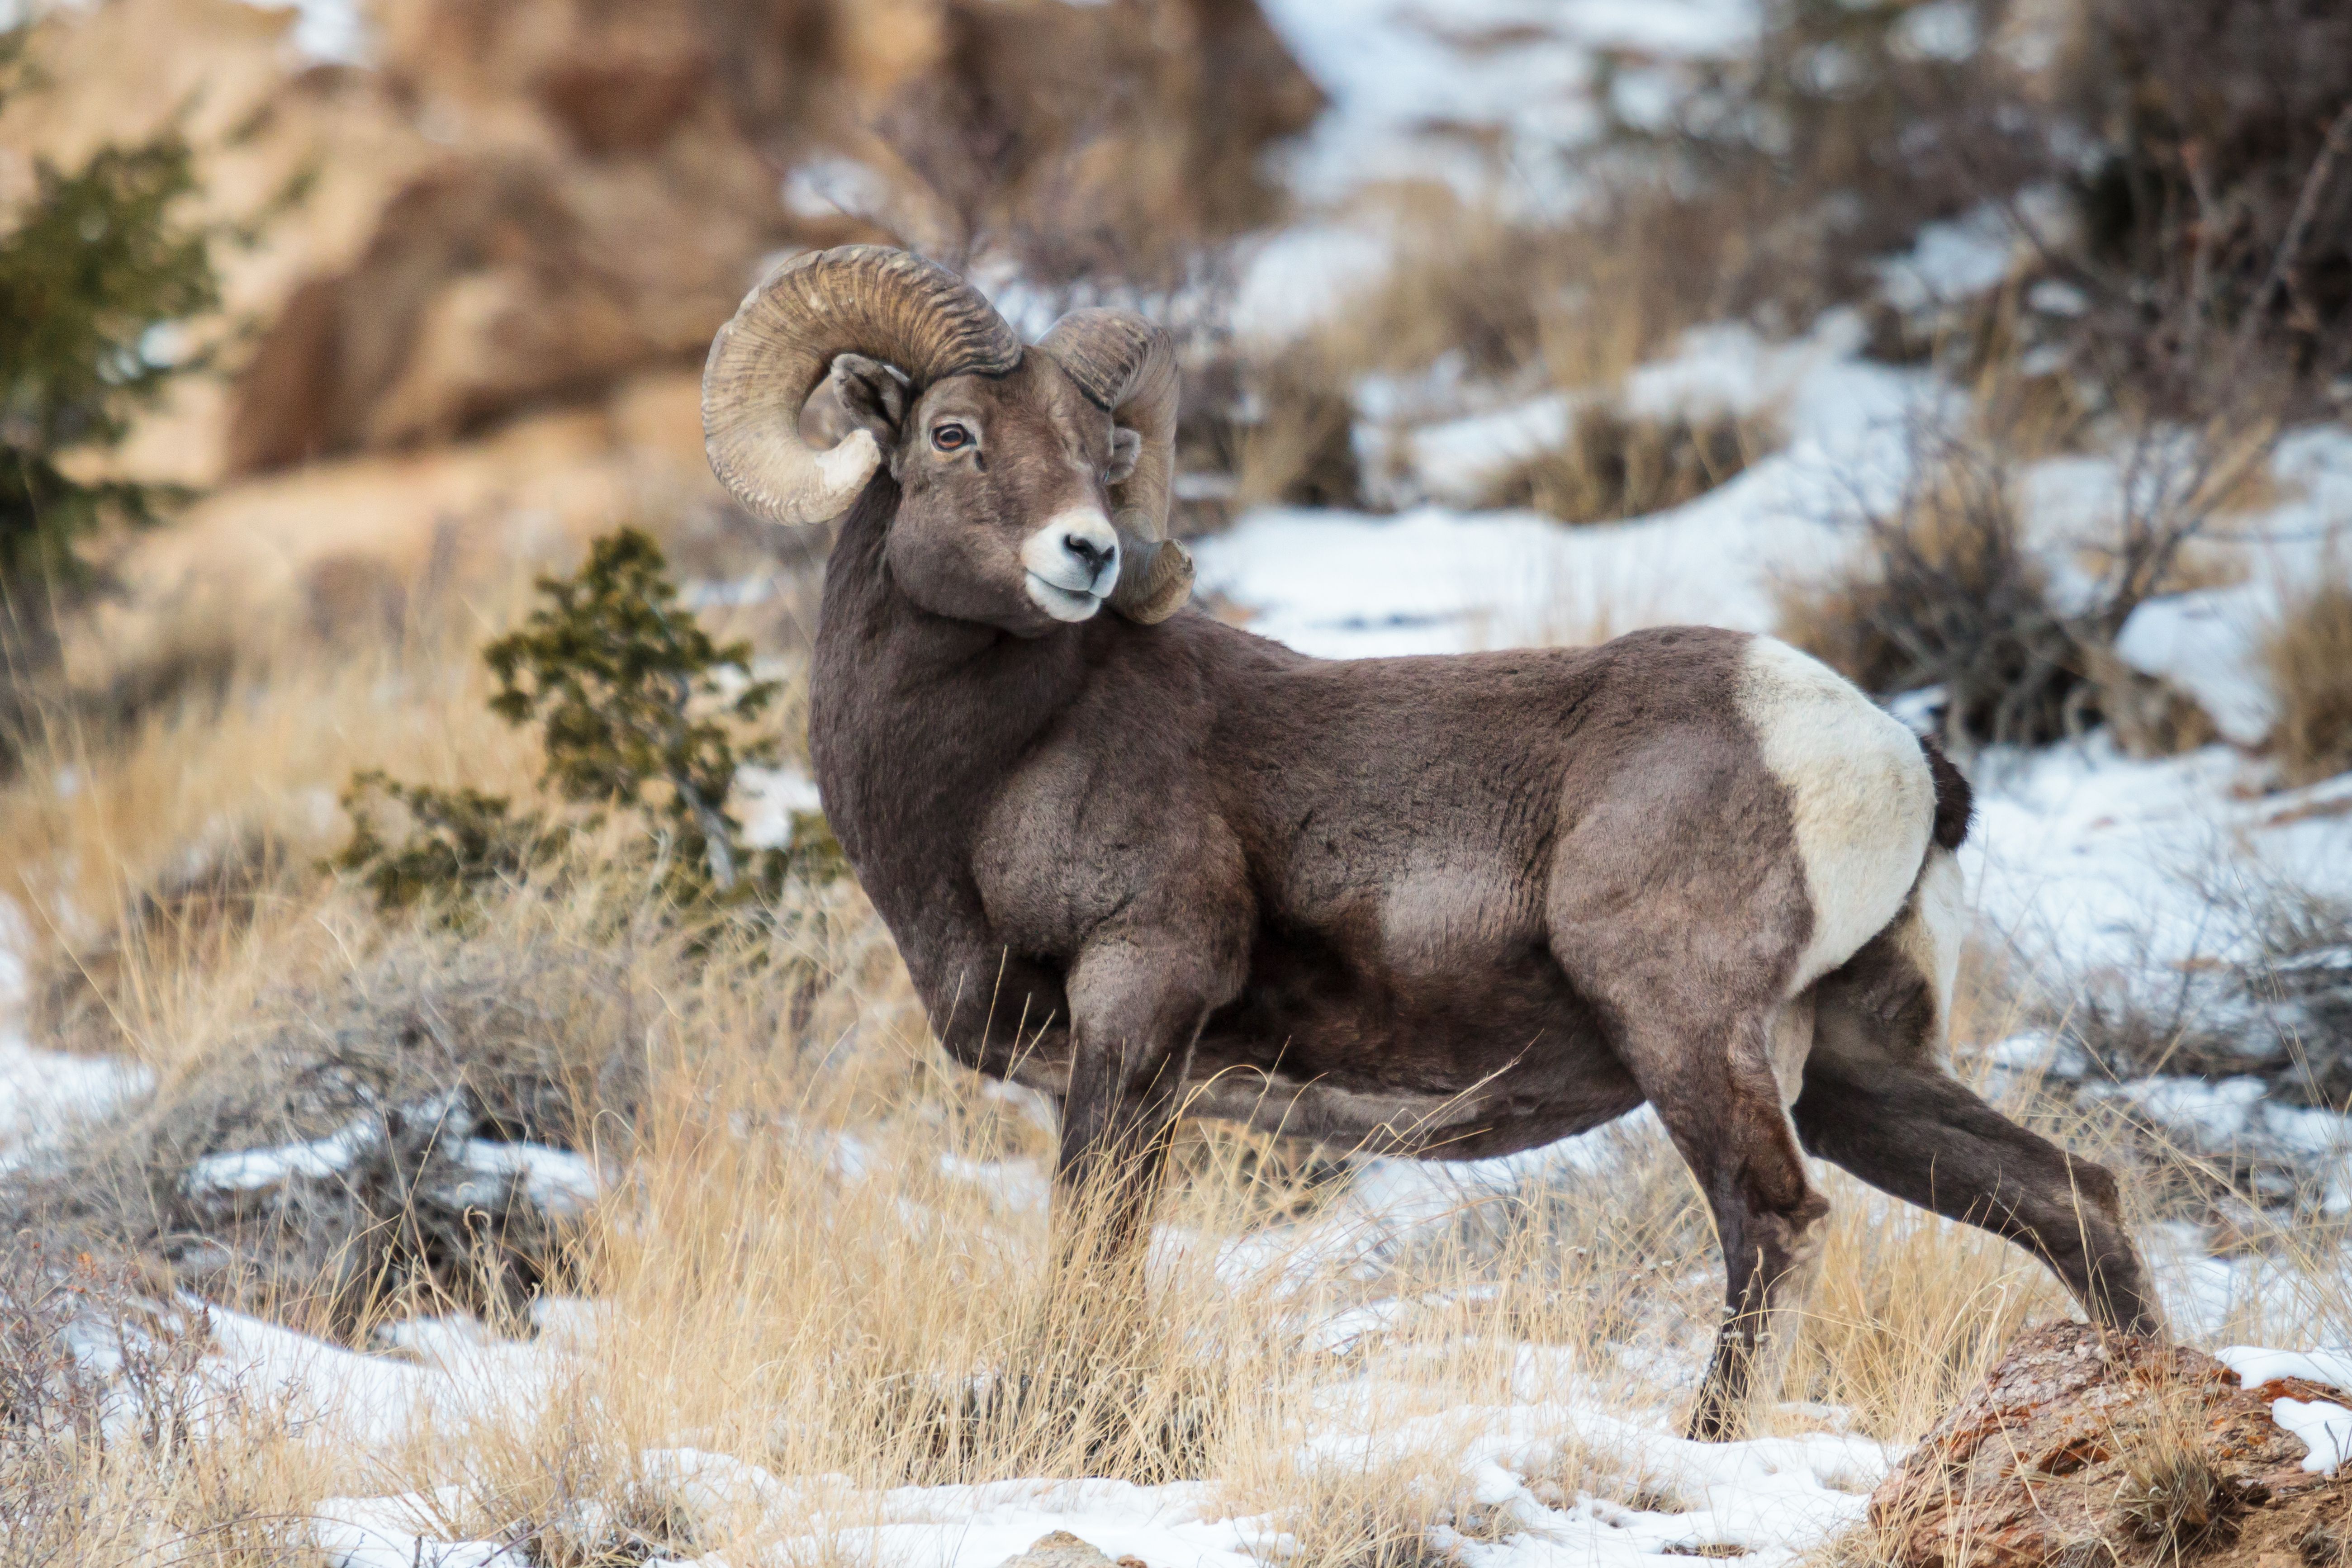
{"x": 914, "y": 722}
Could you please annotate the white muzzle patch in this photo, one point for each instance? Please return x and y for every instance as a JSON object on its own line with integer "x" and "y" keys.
{"x": 1073, "y": 564}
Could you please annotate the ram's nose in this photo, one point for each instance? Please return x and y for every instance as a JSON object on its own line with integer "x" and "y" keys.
{"x": 1092, "y": 551}
{"x": 1077, "y": 551}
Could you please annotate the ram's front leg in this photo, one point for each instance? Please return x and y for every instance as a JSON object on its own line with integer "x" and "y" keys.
{"x": 1136, "y": 1008}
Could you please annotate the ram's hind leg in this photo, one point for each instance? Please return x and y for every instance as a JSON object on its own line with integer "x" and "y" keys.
{"x": 1737, "y": 1140}
{"x": 1915, "y": 1132}
{"x": 1711, "y": 1076}
{"x": 1879, "y": 1100}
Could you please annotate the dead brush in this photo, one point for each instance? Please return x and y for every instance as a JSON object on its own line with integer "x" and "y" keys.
{"x": 2307, "y": 654}
{"x": 1298, "y": 446}
{"x": 1574, "y": 306}
{"x": 397, "y": 1075}
{"x": 1091, "y": 1374}
{"x": 1394, "y": 1511}
{"x": 1280, "y": 1178}
{"x": 1614, "y": 465}
{"x": 562, "y": 1487}
{"x": 1908, "y": 1312}
{"x": 1091, "y": 1398}
{"x": 2171, "y": 1493}
{"x": 867, "y": 1300}
{"x": 1945, "y": 593}
{"x": 120, "y": 1447}
{"x": 1465, "y": 281}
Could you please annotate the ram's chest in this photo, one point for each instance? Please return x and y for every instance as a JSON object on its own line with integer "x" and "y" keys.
{"x": 1054, "y": 859}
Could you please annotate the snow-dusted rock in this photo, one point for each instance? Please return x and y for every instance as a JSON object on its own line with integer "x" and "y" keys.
{"x": 2042, "y": 1464}
{"x": 1063, "y": 1550}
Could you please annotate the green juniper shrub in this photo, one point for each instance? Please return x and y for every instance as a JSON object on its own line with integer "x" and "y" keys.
{"x": 100, "y": 264}
{"x": 94, "y": 266}
{"x": 640, "y": 712}
{"x": 625, "y": 685}
{"x": 458, "y": 841}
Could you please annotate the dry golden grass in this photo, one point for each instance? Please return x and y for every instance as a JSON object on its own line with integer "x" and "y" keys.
{"x": 1614, "y": 465}
{"x": 823, "y": 1252}
{"x": 2307, "y": 654}
{"x": 1582, "y": 303}
{"x": 1300, "y": 451}
{"x": 1465, "y": 281}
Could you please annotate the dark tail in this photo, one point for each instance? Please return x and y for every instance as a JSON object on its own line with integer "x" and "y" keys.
{"x": 1956, "y": 803}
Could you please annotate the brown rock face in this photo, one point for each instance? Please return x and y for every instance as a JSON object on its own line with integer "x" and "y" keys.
{"x": 529, "y": 205}
{"x": 494, "y": 281}
{"x": 607, "y": 182}
{"x": 2109, "y": 1451}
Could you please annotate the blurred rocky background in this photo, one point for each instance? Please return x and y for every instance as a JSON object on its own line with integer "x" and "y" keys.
{"x": 466, "y": 274}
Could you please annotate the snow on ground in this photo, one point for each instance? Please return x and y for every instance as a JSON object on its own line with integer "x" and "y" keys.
{"x": 43, "y": 1095}
{"x": 2326, "y": 1427}
{"x": 1440, "y": 579}
{"x": 1416, "y": 87}
{"x": 2094, "y": 862}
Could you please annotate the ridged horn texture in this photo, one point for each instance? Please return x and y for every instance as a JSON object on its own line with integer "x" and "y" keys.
{"x": 1126, "y": 364}
{"x": 856, "y": 298}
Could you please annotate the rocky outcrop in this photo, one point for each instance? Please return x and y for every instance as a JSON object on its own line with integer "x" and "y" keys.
{"x": 2111, "y": 1451}
{"x": 525, "y": 205}
{"x": 612, "y": 183}
{"x": 1063, "y": 1550}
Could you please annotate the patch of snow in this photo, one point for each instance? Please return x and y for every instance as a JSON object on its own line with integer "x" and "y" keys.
{"x": 2205, "y": 643}
{"x": 1728, "y": 369}
{"x": 1956, "y": 258}
{"x": 559, "y": 1181}
{"x": 243, "y": 1170}
{"x": 374, "y": 1401}
{"x": 1484, "y": 95}
{"x": 1454, "y": 459}
{"x": 2090, "y": 860}
{"x": 2215, "y": 1114}
{"x": 2326, "y": 1427}
{"x": 1018, "y": 1185}
{"x": 1939, "y": 30}
{"x": 2256, "y": 1364}
{"x": 830, "y": 185}
{"x": 1713, "y": 371}
{"x": 764, "y": 800}
{"x": 332, "y": 31}
{"x": 1433, "y": 580}
{"x": 45, "y": 1095}
{"x": 1949, "y": 261}
{"x": 1300, "y": 276}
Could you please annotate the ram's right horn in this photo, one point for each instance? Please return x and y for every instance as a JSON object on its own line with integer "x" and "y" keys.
{"x": 858, "y": 298}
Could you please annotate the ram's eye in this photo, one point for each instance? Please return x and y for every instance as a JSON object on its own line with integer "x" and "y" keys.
{"x": 951, "y": 437}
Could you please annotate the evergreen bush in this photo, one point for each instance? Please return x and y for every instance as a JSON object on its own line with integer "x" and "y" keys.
{"x": 641, "y": 714}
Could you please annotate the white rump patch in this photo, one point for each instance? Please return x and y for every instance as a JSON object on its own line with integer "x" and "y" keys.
{"x": 1859, "y": 790}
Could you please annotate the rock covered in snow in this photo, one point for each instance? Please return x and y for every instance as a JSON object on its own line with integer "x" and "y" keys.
{"x": 2080, "y": 1445}
{"x": 1063, "y": 1550}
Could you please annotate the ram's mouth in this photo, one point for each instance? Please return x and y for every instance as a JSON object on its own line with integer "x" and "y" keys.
{"x": 1062, "y": 604}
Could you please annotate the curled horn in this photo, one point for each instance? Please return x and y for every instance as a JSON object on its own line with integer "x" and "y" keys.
{"x": 1126, "y": 364}
{"x": 856, "y": 298}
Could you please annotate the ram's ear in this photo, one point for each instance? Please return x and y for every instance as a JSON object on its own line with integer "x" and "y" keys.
{"x": 874, "y": 395}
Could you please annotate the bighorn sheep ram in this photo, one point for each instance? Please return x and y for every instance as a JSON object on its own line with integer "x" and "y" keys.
{"x": 1447, "y": 906}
